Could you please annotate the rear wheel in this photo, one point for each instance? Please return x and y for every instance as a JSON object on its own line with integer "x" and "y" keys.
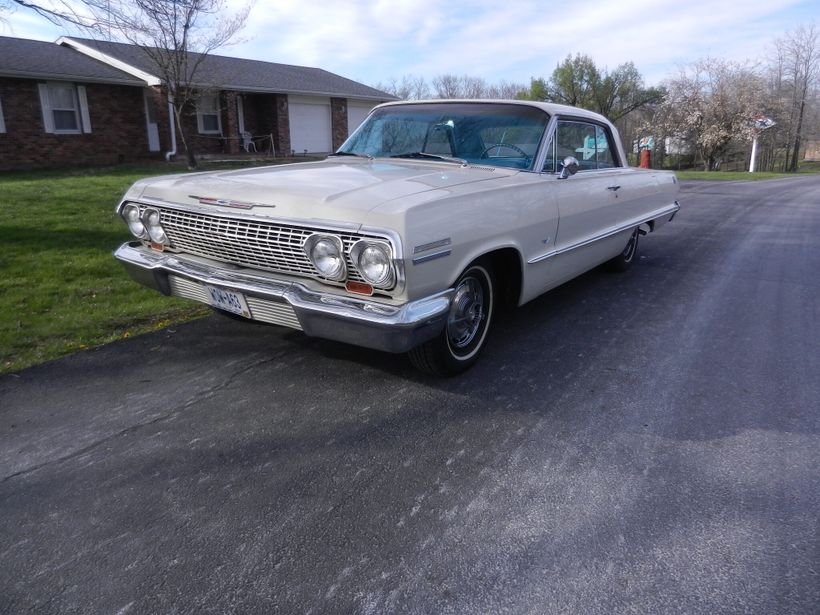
{"x": 624, "y": 260}
{"x": 457, "y": 347}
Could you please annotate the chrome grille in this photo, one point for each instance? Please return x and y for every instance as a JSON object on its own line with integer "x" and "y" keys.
{"x": 249, "y": 243}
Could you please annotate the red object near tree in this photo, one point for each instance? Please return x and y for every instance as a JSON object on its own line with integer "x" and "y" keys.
{"x": 646, "y": 159}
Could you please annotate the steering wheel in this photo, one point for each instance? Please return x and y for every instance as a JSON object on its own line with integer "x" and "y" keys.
{"x": 507, "y": 145}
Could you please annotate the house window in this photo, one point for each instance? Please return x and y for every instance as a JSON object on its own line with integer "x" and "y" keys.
{"x": 208, "y": 117}
{"x": 2, "y": 121}
{"x": 65, "y": 108}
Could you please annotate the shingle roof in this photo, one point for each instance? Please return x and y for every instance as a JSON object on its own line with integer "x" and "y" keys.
{"x": 25, "y": 58}
{"x": 246, "y": 75}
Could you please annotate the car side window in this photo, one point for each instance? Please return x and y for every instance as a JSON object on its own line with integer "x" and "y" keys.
{"x": 586, "y": 142}
{"x": 603, "y": 151}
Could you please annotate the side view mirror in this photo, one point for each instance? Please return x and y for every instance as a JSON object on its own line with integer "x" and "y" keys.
{"x": 570, "y": 167}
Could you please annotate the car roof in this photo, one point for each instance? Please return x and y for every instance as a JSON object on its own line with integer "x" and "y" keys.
{"x": 551, "y": 108}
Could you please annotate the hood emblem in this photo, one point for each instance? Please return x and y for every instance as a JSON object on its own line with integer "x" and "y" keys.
{"x": 208, "y": 200}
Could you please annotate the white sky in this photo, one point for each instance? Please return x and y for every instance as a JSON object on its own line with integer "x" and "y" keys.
{"x": 513, "y": 40}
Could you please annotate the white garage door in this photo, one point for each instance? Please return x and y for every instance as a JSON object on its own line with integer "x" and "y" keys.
{"x": 310, "y": 125}
{"x": 355, "y": 115}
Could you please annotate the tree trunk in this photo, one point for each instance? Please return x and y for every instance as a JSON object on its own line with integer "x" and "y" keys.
{"x": 796, "y": 150}
{"x": 190, "y": 157}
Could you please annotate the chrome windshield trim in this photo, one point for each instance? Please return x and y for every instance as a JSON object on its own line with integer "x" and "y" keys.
{"x": 658, "y": 213}
{"x": 543, "y": 147}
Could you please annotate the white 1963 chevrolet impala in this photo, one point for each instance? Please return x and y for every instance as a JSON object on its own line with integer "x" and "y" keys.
{"x": 410, "y": 236}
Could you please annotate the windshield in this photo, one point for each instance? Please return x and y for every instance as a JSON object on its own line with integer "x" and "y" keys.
{"x": 498, "y": 134}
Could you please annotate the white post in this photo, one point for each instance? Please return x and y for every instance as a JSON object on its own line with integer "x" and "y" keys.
{"x": 754, "y": 155}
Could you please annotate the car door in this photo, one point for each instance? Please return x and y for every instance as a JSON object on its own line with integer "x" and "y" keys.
{"x": 594, "y": 202}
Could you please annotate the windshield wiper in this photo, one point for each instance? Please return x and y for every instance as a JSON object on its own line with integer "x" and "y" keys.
{"x": 428, "y": 155}
{"x": 368, "y": 156}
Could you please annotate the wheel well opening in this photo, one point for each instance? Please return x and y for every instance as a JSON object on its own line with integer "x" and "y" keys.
{"x": 506, "y": 264}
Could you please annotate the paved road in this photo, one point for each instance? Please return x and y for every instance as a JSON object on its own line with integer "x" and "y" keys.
{"x": 636, "y": 443}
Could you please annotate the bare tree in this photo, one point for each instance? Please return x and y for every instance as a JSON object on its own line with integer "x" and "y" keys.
{"x": 506, "y": 90}
{"x": 466, "y": 86}
{"x": 450, "y": 86}
{"x": 62, "y": 12}
{"x": 798, "y": 64}
{"x": 175, "y": 35}
{"x": 473, "y": 87}
{"x": 409, "y": 88}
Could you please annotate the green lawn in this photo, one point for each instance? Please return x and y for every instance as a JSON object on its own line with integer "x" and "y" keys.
{"x": 61, "y": 290}
{"x": 805, "y": 167}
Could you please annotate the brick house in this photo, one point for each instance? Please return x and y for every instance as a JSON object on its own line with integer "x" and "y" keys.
{"x": 81, "y": 101}
{"x": 60, "y": 107}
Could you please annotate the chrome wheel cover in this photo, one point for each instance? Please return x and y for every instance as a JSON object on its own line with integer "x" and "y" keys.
{"x": 466, "y": 313}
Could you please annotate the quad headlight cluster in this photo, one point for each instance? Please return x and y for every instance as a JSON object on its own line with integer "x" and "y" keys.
{"x": 372, "y": 258}
{"x": 145, "y": 226}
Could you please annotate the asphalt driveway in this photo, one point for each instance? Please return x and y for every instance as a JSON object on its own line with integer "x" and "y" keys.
{"x": 646, "y": 442}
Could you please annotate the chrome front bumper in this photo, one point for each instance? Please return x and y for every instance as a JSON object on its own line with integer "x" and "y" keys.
{"x": 358, "y": 321}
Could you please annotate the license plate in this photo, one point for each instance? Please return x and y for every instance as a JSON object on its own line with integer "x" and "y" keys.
{"x": 228, "y": 300}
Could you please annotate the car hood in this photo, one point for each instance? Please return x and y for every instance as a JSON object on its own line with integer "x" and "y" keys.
{"x": 340, "y": 190}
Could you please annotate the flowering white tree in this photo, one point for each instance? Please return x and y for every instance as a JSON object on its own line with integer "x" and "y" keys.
{"x": 710, "y": 104}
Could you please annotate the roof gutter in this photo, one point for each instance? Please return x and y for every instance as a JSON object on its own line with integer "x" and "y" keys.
{"x": 110, "y": 60}
{"x": 68, "y": 77}
{"x": 268, "y": 90}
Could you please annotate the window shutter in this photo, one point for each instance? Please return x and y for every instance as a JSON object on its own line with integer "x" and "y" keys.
{"x": 84, "y": 108}
{"x": 48, "y": 119}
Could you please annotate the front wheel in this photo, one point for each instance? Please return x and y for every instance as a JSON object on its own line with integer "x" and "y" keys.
{"x": 457, "y": 347}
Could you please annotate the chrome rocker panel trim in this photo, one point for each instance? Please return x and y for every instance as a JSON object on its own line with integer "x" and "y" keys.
{"x": 360, "y": 322}
{"x": 661, "y": 215}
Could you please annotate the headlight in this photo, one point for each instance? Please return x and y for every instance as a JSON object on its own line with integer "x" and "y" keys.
{"x": 131, "y": 214}
{"x": 327, "y": 255}
{"x": 374, "y": 260}
{"x": 150, "y": 219}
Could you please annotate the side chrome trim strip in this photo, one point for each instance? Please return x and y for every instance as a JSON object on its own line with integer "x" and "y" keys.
{"x": 432, "y": 245}
{"x": 665, "y": 211}
{"x": 417, "y": 260}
